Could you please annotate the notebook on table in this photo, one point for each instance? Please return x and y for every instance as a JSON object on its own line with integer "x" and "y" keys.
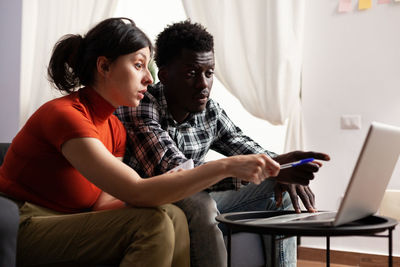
{"x": 367, "y": 185}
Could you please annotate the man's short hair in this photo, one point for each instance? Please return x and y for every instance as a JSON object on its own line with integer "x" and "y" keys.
{"x": 178, "y": 36}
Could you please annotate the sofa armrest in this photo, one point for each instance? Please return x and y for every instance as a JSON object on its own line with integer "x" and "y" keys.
{"x": 3, "y": 150}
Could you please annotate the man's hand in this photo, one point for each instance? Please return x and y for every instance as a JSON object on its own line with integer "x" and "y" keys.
{"x": 301, "y": 174}
{"x": 295, "y": 180}
{"x": 295, "y": 191}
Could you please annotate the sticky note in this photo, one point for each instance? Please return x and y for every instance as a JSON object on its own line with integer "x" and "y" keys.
{"x": 345, "y": 6}
{"x": 364, "y": 4}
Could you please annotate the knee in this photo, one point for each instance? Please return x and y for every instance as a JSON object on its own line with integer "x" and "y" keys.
{"x": 176, "y": 215}
{"x": 151, "y": 234}
{"x": 205, "y": 211}
{"x": 159, "y": 223}
{"x": 179, "y": 222}
{"x": 150, "y": 225}
{"x": 200, "y": 208}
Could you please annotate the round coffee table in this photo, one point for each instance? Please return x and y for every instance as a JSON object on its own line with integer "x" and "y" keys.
{"x": 369, "y": 226}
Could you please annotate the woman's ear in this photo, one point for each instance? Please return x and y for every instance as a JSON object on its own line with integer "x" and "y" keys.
{"x": 102, "y": 65}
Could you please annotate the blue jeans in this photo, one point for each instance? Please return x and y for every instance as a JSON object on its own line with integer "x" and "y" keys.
{"x": 206, "y": 236}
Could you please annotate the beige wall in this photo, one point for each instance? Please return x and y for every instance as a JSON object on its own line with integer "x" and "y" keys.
{"x": 10, "y": 45}
{"x": 351, "y": 66}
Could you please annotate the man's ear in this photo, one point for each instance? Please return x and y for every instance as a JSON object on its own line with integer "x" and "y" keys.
{"x": 163, "y": 74}
{"x": 102, "y": 65}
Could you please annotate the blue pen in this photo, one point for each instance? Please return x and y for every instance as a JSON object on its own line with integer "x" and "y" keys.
{"x": 296, "y": 163}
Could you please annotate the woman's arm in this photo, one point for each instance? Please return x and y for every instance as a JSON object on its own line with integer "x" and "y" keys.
{"x": 107, "y": 202}
{"x": 98, "y": 165}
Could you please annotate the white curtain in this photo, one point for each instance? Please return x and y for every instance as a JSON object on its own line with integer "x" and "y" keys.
{"x": 43, "y": 23}
{"x": 258, "y": 52}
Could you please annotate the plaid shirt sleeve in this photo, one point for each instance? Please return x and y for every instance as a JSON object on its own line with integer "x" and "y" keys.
{"x": 231, "y": 141}
{"x": 150, "y": 150}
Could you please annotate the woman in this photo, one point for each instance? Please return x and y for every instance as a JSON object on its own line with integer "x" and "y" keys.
{"x": 78, "y": 202}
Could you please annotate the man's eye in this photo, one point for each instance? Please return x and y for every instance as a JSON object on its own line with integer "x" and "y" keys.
{"x": 191, "y": 73}
{"x": 209, "y": 73}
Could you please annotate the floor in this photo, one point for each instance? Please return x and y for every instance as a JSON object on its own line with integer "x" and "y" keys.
{"x": 310, "y": 257}
{"x": 305, "y": 263}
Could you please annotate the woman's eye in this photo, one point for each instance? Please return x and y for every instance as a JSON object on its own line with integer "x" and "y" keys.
{"x": 138, "y": 65}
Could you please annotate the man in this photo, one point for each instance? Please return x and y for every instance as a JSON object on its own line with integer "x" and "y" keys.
{"x": 177, "y": 121}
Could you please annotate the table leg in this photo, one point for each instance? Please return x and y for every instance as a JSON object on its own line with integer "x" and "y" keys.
{"x": 229, "y": 246}
{"x": 390, "y": 247}
{"x": 273, "y": 251}
{"x": 328, "y": 251}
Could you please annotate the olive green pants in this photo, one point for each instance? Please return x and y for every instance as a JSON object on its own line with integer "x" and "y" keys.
{"x": 128, "y": 236}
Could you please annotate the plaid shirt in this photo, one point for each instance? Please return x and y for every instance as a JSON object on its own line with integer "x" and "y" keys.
{"x": 157, "y": 143}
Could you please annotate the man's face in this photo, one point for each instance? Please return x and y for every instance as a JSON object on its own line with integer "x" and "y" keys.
{"x": 188, "y": 81}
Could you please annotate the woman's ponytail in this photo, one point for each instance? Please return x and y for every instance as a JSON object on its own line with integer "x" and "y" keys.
{"x": 63, "y": 70}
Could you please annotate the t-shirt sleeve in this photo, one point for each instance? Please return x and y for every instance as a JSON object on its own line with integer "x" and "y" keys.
{"x": 64, "y": 122}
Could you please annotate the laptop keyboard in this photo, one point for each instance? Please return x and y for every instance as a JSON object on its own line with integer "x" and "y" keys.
{"x": 317, "y": 217}
{"x": 294, "y": 217}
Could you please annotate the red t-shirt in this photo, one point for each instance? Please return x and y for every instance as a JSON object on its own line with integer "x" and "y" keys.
{"x": 34, "y": 168}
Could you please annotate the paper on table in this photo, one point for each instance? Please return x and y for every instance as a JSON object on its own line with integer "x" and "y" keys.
{"x": 344, "y": 6}
{"x": 187, "y": 165}
{"x": 364, "y": 4}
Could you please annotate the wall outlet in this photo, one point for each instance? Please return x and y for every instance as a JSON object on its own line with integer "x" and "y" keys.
{"x": 350, "y": 122}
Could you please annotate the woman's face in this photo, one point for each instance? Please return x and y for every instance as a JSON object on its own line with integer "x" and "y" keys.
{"x": 128, "y": 77}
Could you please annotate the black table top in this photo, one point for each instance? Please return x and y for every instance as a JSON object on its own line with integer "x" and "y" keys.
{"x": 366, "y": 226}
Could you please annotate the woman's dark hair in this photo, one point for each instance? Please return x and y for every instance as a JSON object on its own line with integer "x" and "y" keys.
{"x": 178, "y": 36}
{"x": 74, "y": 58}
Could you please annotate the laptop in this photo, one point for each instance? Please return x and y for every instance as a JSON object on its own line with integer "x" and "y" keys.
{"x": 367, "y": 185}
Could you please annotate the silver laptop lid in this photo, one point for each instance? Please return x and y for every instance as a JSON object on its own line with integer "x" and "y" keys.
{"x": 371, "y": 175}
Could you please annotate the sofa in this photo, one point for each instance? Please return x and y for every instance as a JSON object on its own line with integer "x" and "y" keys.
{"x": 9, "y": 218}
{"x": 246, "y": 248}
{"x": 3, "y": 150}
